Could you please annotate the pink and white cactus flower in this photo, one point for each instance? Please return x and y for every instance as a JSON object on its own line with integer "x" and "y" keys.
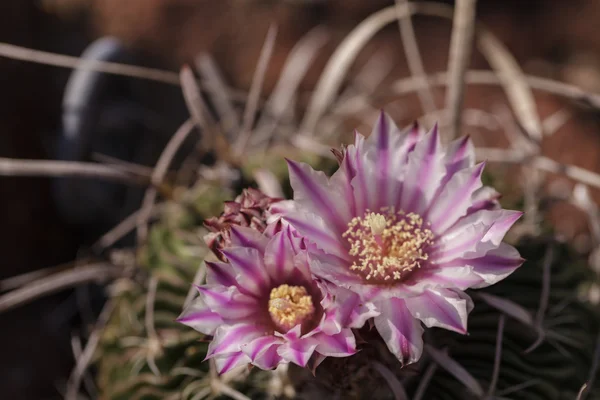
{"x": 263, "y": 306}
{"x": 407, "y": 226}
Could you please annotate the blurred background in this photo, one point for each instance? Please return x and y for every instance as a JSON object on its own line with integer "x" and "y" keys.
{"x": 49, "y": 222}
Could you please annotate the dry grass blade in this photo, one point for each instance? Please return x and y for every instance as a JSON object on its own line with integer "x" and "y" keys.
{"x": 543, "y": 163}
{"x": 214, "y": 82}
{"x": 86, "y": 356}
{"x": 413, "y": 56}
{"x": 20, "y": 280}
{"x": 508, "y": 307}
{"x": 392, "y": 381}
{"x": 98, "y": 273}
{"x": 296, "y": 66}
{"x": 255, "y": 91}
{"x": 193, "y": 98}
{"x": 123, "y": 228}
{"x": 589, "y": 385}
{"x": 456, "y": 370}
{"x": 126, "y": 166}
{"x": 336, "y": 69}
{"x": 88, "y": 380}
{"x": 577, "y": 173}
{"x": 59, "y": 60}
{"x": 497, "y": 358}
{"x": 198, "y": 278}
{"x": 461, "y": 46}
{"x": 424, "y": 381}
{"x": 554, "y": 122}
{"x": 158, "y": 174}
{"x": 268, "y": 183}
{"x": 544, "y": 296}
{"x": 514, "y": 82}
{"x": 486, "y": 77}
{"x": 153, "y": 338}
{"x": 46, "y": 168}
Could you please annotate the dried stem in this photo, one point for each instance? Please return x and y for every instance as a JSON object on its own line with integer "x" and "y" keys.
{"x": 59, "y": 60}
{"x": 255, "y": 91}
{"x": 413, "y": 56}
{"x": 487, "y": 77}
{"x": 424, "y": 381}
{"x": 46, "y": 168}
{"x": 59, "y": 281}
{"x": 162, "y": 165}
{"x": 86, "y": 356}
{"x": 461, "y": 45}
{"x": 497, "y": 358}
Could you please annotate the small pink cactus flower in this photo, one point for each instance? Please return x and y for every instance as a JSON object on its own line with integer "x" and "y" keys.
{"x": 264, "y": 308}
{"x": 407, "y": 226}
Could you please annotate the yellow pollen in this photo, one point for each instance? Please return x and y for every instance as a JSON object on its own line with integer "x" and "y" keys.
{"x": 290, "y": 306}
{"x": 387, "y": 245}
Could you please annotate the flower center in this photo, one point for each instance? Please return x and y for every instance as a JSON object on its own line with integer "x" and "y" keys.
{"x": 387, "y": 245}
{"x": 290, "y": 306}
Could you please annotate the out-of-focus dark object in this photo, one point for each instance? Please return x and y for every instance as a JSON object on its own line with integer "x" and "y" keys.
{"x": 108, "y": 117}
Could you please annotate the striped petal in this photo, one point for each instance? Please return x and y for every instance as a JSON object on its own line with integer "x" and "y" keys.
{"x": 228, "y": 362}
{"x": 424, "y": 172}
{"x": 342, "y": 344}
{"x": 315, "y": 230}
{"x": 298, "y": 351}
{"x": 442, "y": 308}
{"x": 494, "y": 266}
{"x": 312, "y": 190}
{"x": 228, "y": 339}
{"x": 220, "y": 274}
{"x": 455, "y": 199}
{"x": 199, "y": 317}
{"x": 401, "y": 332}
{"x": 262, "y": 351}
{"x": 228, "y": 302}
{"x": 243, "y": 236}
{"x": 248, "y": 264}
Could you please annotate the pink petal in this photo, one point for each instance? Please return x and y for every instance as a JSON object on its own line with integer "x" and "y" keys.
{"x": 229, "y": 338}
{"x": 218, "y": 273}
{"x": 486, "y": 198}
{"x": 460, "y": 242}
{"x": 312, "y": 191}
{"x": 228, "y": 302}
{"x": 455, "y": 199}
{"x": 262, "y": 351}
{"x": 247, "y": 237}
{"x": 348, "y": 310}
{"x": 315, "y": 230}
{"x": 401, "y": 332}
{"x": 280, "y": 254}
{"x": 424, "y": 173}
{"x": 230, "y": 361}
{"x": 442, "y": 308}
{"x": 199, "y": 317}
{"x": 342, "y": 344}
{"x": 298, "y": 351}
{"x": 248, "y": 264}
{"x": 494, "y": 266}
{"x": 354, "y": 165}
{"x": 458, "y": 276}
{"x": 460, "y": 154}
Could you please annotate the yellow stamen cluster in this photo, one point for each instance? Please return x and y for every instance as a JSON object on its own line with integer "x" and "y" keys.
{"x": 387, "y": 245}
{"x": 290, "y": 306}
